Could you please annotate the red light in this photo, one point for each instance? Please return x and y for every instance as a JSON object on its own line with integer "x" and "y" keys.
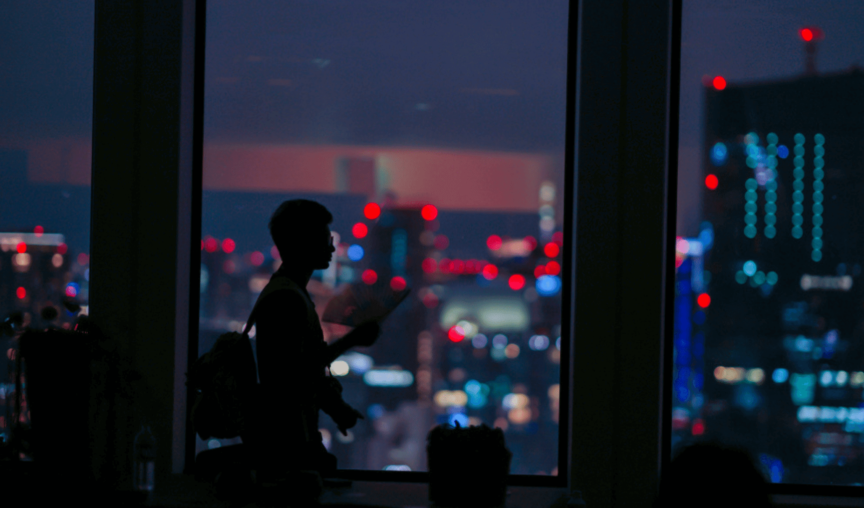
{"x": 398, "y": 283}
{"x": 372, "y": 211}
{"x": 369, "y": 277}
{"x": 531, "y": 241}
{"x": 359, "y": 230}
{"x": 228, "y": 266}
{"x": 38, "y": 230}
{"x": 429, "y": 265}
{"x": 211, "y": 244}
{"x": 441, "y": 242}
{"x": 429, "y": 212}
{"x": 711, "y": 182}
{"x": 490, "y": 272}
{"x": 430, "y": 300}
{"x": 22, "y": 248}
{"x": 698, "y": 427}
{"x": 71, "y": 291}
{"x": 61, "y": 249}
{"x": 516, "y": 282}
{"x": 806, "y": 34}
{"x": 558, "y": 237}
{"x": 274, "y": 253}
{"x": 719, "y": 83}
{"x": 228, "y": 245}
{"x": 445, "y": 265}
{"x": 553, "y": 268}
{"x": 551, "y": 250}
{"x": 456, "y": 333}
{"x": 257, "y": 258}
{"x": 21, "y": 293}
{"x": 458, "y": 266}
{"x": 494, "y": 242}
{"x": 83, "y": 259}
{"x": 539, "y": 271}
{"x": 704, "y": 300}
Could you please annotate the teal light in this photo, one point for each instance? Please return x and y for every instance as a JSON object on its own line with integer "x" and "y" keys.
{"x": 771, "y": 278}
{"x": 819, "y": 139}
{"x": 740, "y": 277}
{"x": 816, "y": 255}
{"x": 759, "y": 278}
{"x": 773, "y": 139}
{"x": 749, "y": 268}
{"x": 797, "y": 232}
{"x": 750, "y": 231}
{"x": 799, "y": 139}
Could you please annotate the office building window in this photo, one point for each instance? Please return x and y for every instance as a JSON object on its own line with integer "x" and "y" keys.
{"x": 435, "y": 135}
{"x": 46, "y": 106}
{"x": 769, "y": 254}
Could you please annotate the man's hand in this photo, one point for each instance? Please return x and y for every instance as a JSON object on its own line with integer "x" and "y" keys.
{"x": 366, "y": 334}
{"x": 348, "y": 420}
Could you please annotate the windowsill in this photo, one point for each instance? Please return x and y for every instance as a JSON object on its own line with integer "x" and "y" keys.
{"x": 184, "y": 490}
{"x": 798, "y": 501}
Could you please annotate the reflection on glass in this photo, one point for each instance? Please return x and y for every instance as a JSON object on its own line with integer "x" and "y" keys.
{"x": 435, "y": 136}
{"x": 46, "y": 104}
{"x": 768, "y": 328}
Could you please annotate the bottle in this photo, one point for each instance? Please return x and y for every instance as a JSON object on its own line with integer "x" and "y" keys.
{"x": 144, "y": 457}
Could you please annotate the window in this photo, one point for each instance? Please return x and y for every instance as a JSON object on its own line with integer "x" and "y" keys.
{"x": 45, "y": 132}
{"x": 769, "y": 252}
{"x": 435, "y": 135}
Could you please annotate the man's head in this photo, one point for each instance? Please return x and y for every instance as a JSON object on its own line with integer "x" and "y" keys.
{"x": 300, "y": 230}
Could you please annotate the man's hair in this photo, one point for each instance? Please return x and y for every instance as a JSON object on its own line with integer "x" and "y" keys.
{"x": 295, "y": 222}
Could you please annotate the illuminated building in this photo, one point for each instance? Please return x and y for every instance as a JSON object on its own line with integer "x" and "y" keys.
{"x": 784, "y": 173}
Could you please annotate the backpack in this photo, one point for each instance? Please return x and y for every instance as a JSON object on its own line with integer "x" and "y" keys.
{"x": 224, "y": 380}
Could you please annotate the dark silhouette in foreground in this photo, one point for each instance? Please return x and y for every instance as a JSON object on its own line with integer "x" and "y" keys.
{"x": 708, "y": 475}
{"x": 282, "y": 443}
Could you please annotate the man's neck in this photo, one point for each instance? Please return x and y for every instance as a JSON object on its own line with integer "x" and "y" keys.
{"x": 298, "y": 274}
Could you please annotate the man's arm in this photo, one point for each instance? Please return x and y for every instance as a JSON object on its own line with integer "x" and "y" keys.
{"x": 363, "y": 335}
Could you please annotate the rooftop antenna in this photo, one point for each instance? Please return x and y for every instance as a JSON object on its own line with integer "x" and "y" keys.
{"x": 810, "y": 35}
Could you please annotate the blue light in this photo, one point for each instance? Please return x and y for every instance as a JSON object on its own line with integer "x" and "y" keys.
{"x": 780, "y": 375}
{"x": 476, "y": 401}
{"x": 699, "y": 317}
{"x": 548, "y": 285}
{"x": 750, "y": 268}
{"x": 698, "y": 381}
{"x": 355, "y": 253}
{"x": 461, "y": 418}
{"x": 719, "y": 154}
{"x": 375, "y": 411}
{"x": 682, "y": 393}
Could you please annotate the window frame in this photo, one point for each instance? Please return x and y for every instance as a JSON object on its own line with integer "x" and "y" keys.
{"x": 144, "y": 104}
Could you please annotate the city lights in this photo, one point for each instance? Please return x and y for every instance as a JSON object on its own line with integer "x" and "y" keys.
{"x": 355, "y": 253}
{"x": 719, "y": 83}
{"x": 429, "y": 212}
{"x": 369, "y": 276}
{"x": 711, "y": 181}
{"x": 228, "y": 245}
{"x": 494, "y": 242}
{"x": 516, "y": 282}
{"x": 38, "y": 230}
{"x": 21, "y": 293}
{"x": 490, "y": 272}
{"x": 372, "y": 211}
{"x": 393, "y": 378}
{"x": 551, "y": 250}
{"x": 397, "y": 283}
{"x": 340, "y": 368}
{"x": 704, "y": 300}
{"x": 359, "y": 230}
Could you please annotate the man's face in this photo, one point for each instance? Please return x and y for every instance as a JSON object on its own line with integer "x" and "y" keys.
{"x": 321, "y": 251}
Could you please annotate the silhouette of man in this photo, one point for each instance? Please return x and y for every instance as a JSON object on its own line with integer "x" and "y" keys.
{"x": 292, "y": 354}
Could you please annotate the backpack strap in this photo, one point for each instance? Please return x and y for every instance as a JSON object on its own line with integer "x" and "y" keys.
{"x": 275, "y": 284}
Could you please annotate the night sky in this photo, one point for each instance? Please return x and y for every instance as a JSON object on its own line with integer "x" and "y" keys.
{"x": 488, "y": 74}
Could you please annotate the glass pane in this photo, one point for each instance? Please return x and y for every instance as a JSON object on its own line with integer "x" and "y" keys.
{"x": 434, "y": 133}
{"x": 46, "y": 109}
{"x": 768, "y": 328}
